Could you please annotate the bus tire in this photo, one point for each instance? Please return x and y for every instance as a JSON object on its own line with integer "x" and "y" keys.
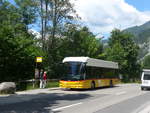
{"x": 92, "y": 85}
{"x": 111, "y": 83}
{"x": 142, "y": 88}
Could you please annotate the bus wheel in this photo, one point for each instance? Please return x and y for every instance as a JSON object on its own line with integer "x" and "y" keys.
{"x": 142, "y": 88}
{"x": 111, "y": 84}
{"x": 92, "y": 85}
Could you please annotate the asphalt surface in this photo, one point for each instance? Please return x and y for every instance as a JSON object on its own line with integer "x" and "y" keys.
{"x": 126, "y": 98}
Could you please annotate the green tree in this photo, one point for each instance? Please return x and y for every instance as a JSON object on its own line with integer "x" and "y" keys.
{"x": 18, "y": 47}
{"x": 27, "y": 9}
{"x": 54, "y": 14}
{"x": 81, "y": 42}
{"x": 124, "y": 50}
{"x": 76, "y": 41}
{"x": 146, "y": 62}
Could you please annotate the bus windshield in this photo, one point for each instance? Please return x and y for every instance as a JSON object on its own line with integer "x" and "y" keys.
{"x": 73, "y": 71}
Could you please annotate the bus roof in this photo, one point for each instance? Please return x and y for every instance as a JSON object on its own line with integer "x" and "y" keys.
{"x": 92, "y": 62}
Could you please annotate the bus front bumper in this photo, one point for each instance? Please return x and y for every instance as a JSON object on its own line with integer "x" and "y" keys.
{"x": 72, "y": 84}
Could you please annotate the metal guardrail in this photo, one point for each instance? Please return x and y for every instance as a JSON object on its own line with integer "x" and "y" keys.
{"x": 34, "y": 80}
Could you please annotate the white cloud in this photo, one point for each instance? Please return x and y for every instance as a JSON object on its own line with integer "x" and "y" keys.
{"x": 35, "y": 33}
{"x": 104, "y": 15}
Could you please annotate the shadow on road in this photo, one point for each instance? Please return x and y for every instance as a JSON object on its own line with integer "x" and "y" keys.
{"x": 42, "y": 103}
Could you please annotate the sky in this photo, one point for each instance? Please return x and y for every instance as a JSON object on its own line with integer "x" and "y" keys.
{"x": 142, "y": 5}
{"x": 102, "y": 16}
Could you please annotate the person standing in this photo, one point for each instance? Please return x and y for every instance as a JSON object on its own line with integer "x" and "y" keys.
{"x": 41, "y": 78}
{"x": 44, "y": 79}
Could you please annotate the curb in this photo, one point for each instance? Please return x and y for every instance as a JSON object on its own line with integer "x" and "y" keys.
{"x": 29, "y": 91}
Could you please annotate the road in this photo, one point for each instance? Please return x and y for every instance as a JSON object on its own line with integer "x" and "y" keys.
{"x": 125, "y": 98}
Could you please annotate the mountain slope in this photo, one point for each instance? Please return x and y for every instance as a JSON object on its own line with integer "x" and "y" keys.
{"x": 142, "y": 37}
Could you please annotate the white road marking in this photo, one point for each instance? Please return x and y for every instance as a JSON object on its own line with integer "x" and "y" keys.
{"x": 120, "y": 93}
{"x": 60, "y": 108}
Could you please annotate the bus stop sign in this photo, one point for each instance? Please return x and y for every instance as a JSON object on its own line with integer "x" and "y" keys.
{"x": 38, "y": 59}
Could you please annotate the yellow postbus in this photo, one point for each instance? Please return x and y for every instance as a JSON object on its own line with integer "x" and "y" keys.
{"x": 85, "y": 72}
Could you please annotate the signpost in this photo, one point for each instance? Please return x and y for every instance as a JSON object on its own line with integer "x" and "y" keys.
{"x": 39, "y": 60}
{"x": 38, "y": 67}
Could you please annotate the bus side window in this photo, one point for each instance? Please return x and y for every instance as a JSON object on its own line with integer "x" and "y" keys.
{"x": 88, "y": 72}
{"x": 100, "y": 73}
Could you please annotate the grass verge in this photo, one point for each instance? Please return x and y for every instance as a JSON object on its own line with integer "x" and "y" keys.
{"x": 30, "y": 86}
